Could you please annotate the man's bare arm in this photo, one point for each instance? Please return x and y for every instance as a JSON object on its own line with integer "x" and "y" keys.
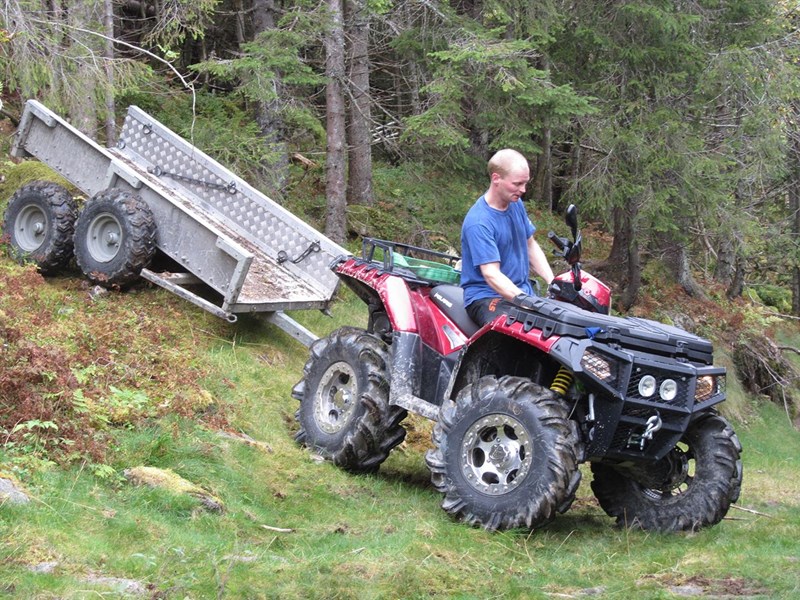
{"x": 538, "y": 261}
{"x": 499, "y": 282}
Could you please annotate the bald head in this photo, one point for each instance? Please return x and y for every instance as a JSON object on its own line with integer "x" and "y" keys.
{"x": 506, "y": 161}
{"x": 508, "y": 177}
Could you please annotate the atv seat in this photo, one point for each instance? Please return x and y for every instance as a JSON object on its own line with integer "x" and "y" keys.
{"x": 450, "y": 299}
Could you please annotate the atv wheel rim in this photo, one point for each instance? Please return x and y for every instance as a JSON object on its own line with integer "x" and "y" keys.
{"x": 496, "y": 454}
{"x": 335, "y": 399}
{"x": 677, "y": 479}
{"x": 30, "y": 228}
{"x": 104, "y": 237}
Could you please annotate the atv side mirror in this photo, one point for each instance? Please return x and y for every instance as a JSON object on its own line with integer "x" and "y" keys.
{"x": 573, "y": 255}
{"x": 572, "y": 219}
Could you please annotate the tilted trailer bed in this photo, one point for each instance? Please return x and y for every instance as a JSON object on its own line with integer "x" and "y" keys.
{"x": 237, "y": 250}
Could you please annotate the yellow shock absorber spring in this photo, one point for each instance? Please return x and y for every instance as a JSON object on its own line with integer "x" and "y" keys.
{"x": 562, "y": 381}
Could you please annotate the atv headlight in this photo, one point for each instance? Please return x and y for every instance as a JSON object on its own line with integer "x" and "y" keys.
{"x": 707, "y": 386}
{"x": 599, "y": 366}
{"x": 668, "y": 390}
{"x": 647, "y": 386}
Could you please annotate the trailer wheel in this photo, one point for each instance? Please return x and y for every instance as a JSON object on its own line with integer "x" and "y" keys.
{"x": 115, "y": 237}
{"x": 506, "y": 454}
{"x": 692, "y": 487}
{"x": 39, "y": 221}
{"x": 344, "y": 411}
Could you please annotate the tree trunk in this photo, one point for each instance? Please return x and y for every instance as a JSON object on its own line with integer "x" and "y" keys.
{"x": 794, "y": 205}
{"x": 676, "y": 259}
{"x": 335, "y": 190}
{"x": 359, "y": 117}
{"x": 731, "y": 265}
{"x": 470, "y": 8}
{"x": 726, "y": 260}
{"x": 267, "y": 113}
{"x": 576, "y": 157}
{"x": 736, "y": 286}
{"x": 239, "y": 22}
{"x": 633, "y": 271}
{"x": 111, "y": 108}
{"x": 630, "y": 293}
{"x": 81, "y": 98}
{"x": 543, "y": 181}
{"x": 623, "y": 234}
{"x": 410, "y": 69}
{"x": 796, "y": 291}
{"x": 263, "y": 16}
{"x": 623, "y": 265}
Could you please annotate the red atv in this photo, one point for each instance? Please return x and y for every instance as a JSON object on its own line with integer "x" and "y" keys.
{"x": 522, "y": 401}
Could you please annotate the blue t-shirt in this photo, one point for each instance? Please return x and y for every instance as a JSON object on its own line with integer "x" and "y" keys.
{"x": 489, "y": 235}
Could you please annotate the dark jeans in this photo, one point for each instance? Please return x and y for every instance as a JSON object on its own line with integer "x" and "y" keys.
{"x": 486, "y": 310}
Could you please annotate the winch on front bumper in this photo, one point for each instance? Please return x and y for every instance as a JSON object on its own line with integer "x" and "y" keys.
{"x": 639, "y": 405}
{"x": 642, "y": 381}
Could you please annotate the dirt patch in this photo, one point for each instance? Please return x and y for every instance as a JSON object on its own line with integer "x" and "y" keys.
{"x": 700, "y": 586}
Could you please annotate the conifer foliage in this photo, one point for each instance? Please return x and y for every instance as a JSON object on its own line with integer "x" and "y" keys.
{"x": 674, "y": 123}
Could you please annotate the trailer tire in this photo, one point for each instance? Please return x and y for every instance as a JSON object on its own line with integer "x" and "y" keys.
{"x": 692, "y": 487}
{"x": 115, "y": 238}
{"x": 344, "y": 411}
{"x": 505, "y": 454}
{"x": 39, "y": 222}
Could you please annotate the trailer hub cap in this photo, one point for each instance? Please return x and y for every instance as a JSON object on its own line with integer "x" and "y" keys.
{"x": 30, "y": 227}
{"x": 496, "y": 454}
{"x": 335, "y": 400}
{"x": 103, "y": 237}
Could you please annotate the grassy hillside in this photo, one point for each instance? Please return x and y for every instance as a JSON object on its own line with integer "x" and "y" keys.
{"x": 92, "y": 385}
{"x": 294, "y": 527}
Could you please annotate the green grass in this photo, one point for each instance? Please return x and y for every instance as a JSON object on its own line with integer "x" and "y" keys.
{"x": 381, "y": 536}
{"x": 295, "y": 527}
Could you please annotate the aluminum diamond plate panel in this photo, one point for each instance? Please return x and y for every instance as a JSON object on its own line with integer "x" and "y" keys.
{"x": 261, "y": 221}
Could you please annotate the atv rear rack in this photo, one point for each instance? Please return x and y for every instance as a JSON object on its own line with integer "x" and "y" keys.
{"x": 416, "y": 265}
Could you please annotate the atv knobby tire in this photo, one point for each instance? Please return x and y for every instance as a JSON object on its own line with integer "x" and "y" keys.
{"x": 344, "y": 411}
{"x": 692, "y": 487}
{"x": 505, "y": 454}
{"x": 115, "y": 238}
{"x": 39, "y": 221}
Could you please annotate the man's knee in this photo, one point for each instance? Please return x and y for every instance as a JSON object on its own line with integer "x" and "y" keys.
{"x": 486, "y": 310}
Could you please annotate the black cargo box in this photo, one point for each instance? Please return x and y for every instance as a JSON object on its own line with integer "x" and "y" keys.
{"x": 553, "y": 317}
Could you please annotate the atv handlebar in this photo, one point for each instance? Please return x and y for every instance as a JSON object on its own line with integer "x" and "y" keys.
{"x": 570, "y": 251}
{"x": 560, "y": 243}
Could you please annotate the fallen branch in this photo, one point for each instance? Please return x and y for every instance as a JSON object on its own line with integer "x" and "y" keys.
{"x": 750, "y": 510}
{"x": 278, "y": 529}
{"x": 782, "y": 316}
{"x": 245, "y": 439}
{"x": 306, "y": 162}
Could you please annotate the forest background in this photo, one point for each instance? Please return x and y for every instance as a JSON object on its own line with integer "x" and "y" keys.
{"x": 675, "y": 125}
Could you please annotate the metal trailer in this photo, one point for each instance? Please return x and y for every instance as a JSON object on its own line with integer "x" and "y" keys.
{"x": 253, "y": 254}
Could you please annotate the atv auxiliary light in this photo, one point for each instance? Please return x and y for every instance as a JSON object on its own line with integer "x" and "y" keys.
{"x": 647, "y": 386}
{"x": 668, "y": 390}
